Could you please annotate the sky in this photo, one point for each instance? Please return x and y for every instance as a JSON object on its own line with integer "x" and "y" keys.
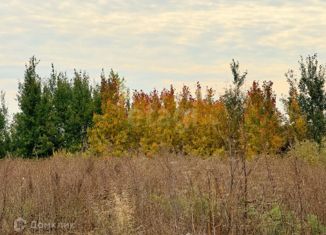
{"x": 155, "y": 43}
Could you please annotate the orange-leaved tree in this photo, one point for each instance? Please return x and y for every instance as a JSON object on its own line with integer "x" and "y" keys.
{"x": 200, "y": 123}
{"x": 262, "y": 120}
{"x": 110, "y": 131}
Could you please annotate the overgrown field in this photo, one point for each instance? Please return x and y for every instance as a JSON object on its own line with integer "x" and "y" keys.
{"x": 162, "y": 195}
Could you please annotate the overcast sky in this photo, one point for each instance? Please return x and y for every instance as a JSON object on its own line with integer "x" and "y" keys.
{"x": 156, "y": 43}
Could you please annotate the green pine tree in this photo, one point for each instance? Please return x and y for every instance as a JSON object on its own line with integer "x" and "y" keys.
{"x": 62, "y": 104}
{"x": 312, "y": 97}
{"x": 81, "y": 113}
{"x": 4, "y": 136}
{"x": 45, "y": 144}
{"x": 26, "y": 126}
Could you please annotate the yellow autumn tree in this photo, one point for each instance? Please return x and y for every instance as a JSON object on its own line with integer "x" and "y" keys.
{"x": 155, "y": 118}
{"x": 167, "y": 134}
{"x": 138, "y": 118}
{"x": 201, "y": 124}
{"x": 110, "y": 131}
{"x": 263, "y": 132}
{"x": 149, "y": 143}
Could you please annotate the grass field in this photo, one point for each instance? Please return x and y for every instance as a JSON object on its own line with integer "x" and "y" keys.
{"x": 162, "y": 195}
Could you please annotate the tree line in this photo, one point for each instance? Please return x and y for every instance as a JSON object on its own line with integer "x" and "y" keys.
{"x": 62, "y": 113}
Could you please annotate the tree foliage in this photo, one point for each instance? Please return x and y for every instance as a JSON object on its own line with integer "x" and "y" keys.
{"x": 312, "y": 98}
{"x": 4, "y": 135}
{"x": 297, "y": 123}
{"x": 27, "y": 123}
{"x": 110, "y": 132}
{"x": 233, "y": 100}
{"x": 55, "y": 113}
{"x": 262, "y": 120}
{"x": 62, "y": 113}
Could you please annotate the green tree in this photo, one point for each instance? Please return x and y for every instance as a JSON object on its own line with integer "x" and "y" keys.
{"x": 27, "y": 133}
{"x": 46, "y": 129}
{"x": 73, "y": 106}
{"x": 4, "y": 135}
{"x": 296, "y": 120}
{"x": 82, "y": 109}
{"x": 234, "y": 133}
{"x": 233, "y": 100}
{"x": 312, "y": 98}
{"x": 97, "y": 99}
{"x": 62, "y": 104}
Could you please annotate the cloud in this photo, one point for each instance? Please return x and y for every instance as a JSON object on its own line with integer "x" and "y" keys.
{"x": 152, "y": 42}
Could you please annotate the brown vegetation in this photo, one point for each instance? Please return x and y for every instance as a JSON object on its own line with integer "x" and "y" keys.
{"x": 164, "y": 195}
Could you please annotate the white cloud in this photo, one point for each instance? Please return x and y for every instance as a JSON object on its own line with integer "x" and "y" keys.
{"x": 171, "y": 40}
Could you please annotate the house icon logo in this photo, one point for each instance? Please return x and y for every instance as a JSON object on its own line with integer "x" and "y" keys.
{"x": 19, "y": 224}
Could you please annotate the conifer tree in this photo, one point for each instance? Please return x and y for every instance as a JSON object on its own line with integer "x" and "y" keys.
{"x": 81, "y": 112}
{"x": 233, "y": 100}
{"x": 233, "y": 132}
{"x": 62, "y": 104}
{"x": 312, "y": 97}
{"x": 27, "y": 129}
{"x": 4, "y": 135}
{"x": 44, "y": 145}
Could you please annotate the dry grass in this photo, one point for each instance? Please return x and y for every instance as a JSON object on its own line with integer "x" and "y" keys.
{"x": 165, "y": 195}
